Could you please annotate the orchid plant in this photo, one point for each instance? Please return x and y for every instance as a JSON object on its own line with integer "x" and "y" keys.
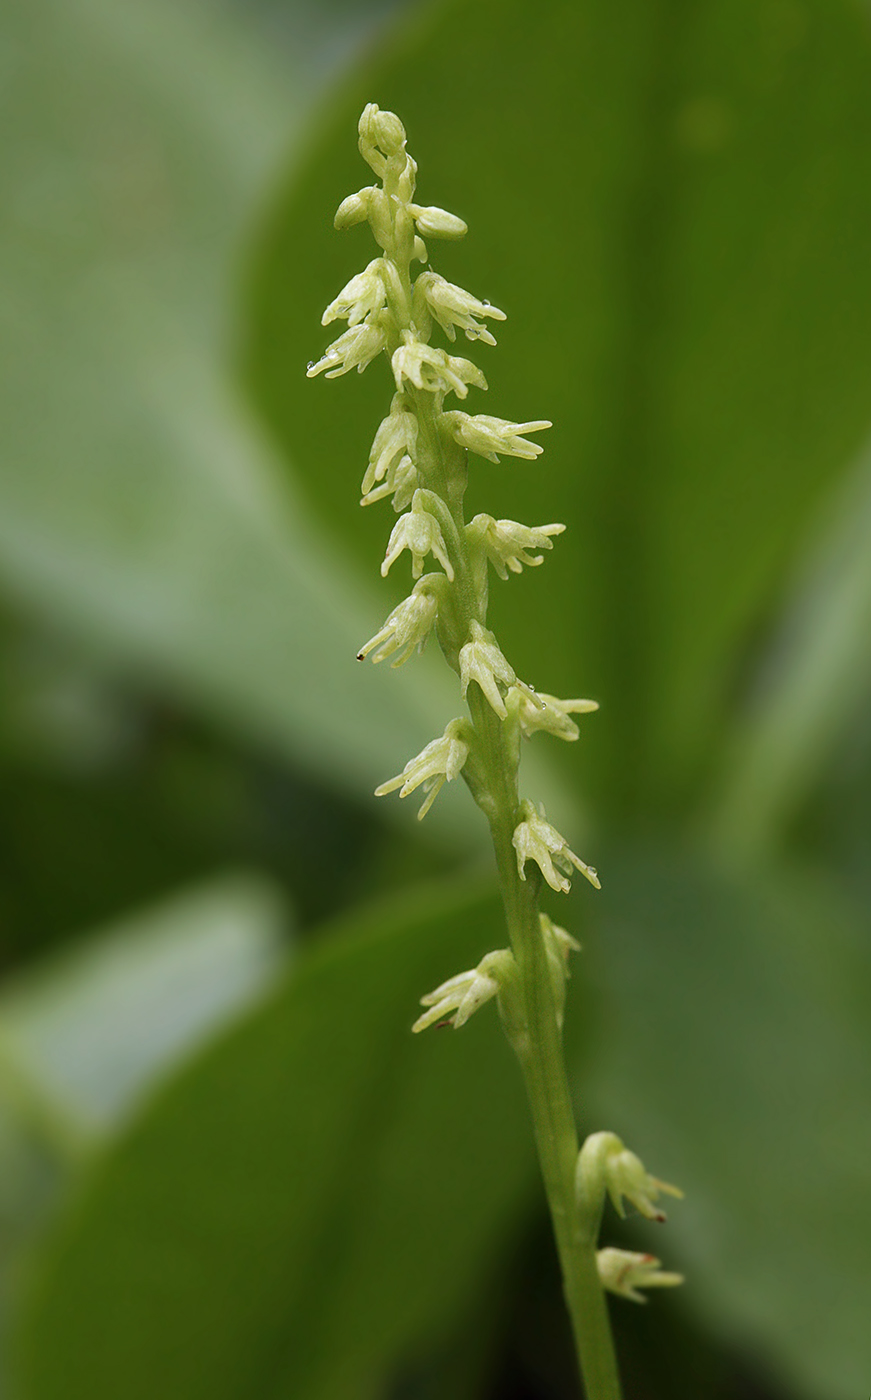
{"x": 420, "y": 460}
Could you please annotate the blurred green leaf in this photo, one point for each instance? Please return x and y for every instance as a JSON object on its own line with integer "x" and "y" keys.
{"x": 83, "y": 1035}
{"x": 140, "y": 509}
{"x": 669, "y": 200}
{"x": 738, "y": 1063}
{"x": 812, "y": 684}
{"x": 320, "y": 1194}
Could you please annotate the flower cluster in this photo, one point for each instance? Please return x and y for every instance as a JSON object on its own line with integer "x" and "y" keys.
{"x": 418, "y": 461}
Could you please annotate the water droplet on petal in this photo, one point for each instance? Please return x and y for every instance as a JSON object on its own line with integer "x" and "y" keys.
{"x": 485, "y": 302}
{"x": 310, "y": 365}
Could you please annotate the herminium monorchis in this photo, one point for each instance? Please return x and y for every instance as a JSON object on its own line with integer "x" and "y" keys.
{"x": 419, "y": 458}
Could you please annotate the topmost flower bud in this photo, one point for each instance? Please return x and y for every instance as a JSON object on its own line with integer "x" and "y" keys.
{"x": 381, "y": 134}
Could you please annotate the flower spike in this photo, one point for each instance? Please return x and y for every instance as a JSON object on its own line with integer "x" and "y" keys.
{"x": 419, "y": 460}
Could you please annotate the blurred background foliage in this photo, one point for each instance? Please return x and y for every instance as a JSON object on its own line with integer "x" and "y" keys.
{"x": 225, "y": 1168}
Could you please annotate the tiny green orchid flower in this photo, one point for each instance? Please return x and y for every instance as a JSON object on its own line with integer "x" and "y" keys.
{"x": 439, "y": 763}
{"x": 623, "y": 1272}
{"x": 535, "y": 839}
{"x": 460, "y": 997}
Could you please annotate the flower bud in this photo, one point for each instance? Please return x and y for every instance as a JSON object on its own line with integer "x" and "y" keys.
{"x": 386, "y": 130}
{"x": 433, "y": 222}
{"x": 354, "y": 209}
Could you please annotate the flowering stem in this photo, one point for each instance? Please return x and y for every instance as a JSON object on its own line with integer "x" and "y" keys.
{"x": 419, "y": 457}
{"x": 536, "y": 1037}
{"x": 537, "y": 1041}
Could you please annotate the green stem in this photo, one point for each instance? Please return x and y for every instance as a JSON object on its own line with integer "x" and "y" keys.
{"x": 540, "y": 1051}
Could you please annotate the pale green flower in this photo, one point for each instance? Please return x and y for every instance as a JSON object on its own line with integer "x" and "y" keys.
{"x": 428, "y": 367}
{"x": 507, "y": 543}
{"x": 408, "y": 626}
{"x": 483, "y": 662}
{"x": 396, "y": 437}
{"x": 460, "y": 997}
{"x": 488, "y": 436}
{"x": 547, "y": 714}
{"x": 361, "y": 296}
{"x": 535, "y": 839}
{"x": 401, "y": 482}
{"x": 439, "y": 763}
{"x": 624, "y": 1272}
{"x": 605, "y": 1163}
{"x": 420, "y": 533}
{"x": 355, "y": 348}
{"x": 452, "y": 307}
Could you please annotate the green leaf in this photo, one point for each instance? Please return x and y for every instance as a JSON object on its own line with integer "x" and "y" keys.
{"x": 738, "y": 1064}
{"x": 812, "y": 686}
{"x": 141, "y": 511}
{"x": 669, "y": 201}
{"x": 321, "y": 1194}
{"x": 86, "y": 1033}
